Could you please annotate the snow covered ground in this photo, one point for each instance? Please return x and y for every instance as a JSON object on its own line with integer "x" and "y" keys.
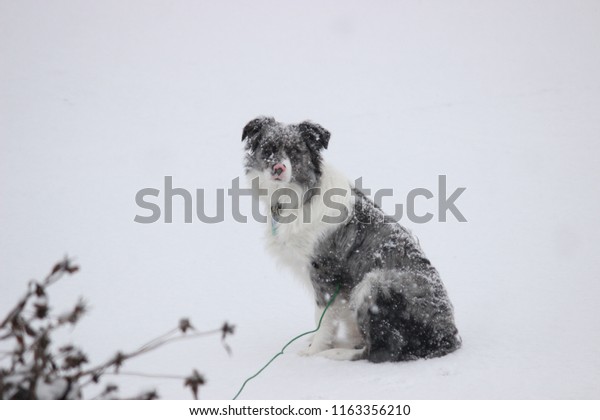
{"x": 101, "y": 99}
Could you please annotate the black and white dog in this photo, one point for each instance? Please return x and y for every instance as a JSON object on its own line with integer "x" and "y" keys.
{"x": 392, "y": 304}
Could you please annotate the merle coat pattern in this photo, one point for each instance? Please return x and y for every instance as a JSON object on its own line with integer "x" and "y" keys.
{"x": 392, "y": 302}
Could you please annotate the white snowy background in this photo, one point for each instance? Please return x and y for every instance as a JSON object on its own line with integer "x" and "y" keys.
{"x": 101, "y": 99}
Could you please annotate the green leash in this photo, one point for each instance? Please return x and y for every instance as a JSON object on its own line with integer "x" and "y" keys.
{"x": 290, "y": 342}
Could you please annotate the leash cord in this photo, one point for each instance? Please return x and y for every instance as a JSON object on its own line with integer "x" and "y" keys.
{"x": 290, "y": 342}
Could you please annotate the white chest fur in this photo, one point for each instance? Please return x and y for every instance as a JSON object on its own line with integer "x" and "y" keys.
{"x": 293, "y": 242}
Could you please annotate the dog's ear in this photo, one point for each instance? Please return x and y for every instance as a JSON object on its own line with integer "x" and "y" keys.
{"x": 315, "y": 136}
{"x": 252, "y": 130}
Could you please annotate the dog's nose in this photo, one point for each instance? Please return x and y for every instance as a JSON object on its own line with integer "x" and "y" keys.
{"x": 278, "y": 169}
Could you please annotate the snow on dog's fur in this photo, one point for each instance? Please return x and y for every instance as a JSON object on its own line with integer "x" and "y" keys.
{"x": 392, "y": 304}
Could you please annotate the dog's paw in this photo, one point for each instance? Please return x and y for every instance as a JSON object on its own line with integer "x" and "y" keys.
{"x": 308, "y": 351}
{"x": 342, "y": 354}
{"x": 304, "y": 352}
{"x": 311, "y": 350}
{"x": 316, "y": 348}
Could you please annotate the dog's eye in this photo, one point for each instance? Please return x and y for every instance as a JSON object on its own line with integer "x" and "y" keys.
{"x": 315, "y": 265}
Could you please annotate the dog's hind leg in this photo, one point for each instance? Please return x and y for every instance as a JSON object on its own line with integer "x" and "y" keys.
{"x": 405, "y": 315}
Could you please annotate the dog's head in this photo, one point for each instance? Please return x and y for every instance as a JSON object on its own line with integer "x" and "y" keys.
{"x": 284, "y": 154}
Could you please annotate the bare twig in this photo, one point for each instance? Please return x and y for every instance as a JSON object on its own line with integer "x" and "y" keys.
{"x": 29, "y": 325}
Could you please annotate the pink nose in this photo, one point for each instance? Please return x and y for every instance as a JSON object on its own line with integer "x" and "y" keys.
{"x": 278, "y": 169}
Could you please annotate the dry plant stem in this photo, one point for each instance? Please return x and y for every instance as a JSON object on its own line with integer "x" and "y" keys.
{"x": 33, "y": 359}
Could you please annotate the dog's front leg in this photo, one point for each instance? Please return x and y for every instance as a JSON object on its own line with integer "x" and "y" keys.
{"x": 324, "y": 338}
